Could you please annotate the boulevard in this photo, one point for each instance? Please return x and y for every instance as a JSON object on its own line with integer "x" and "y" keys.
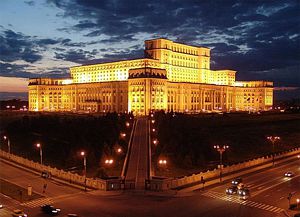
{"x": 269, "y": 190}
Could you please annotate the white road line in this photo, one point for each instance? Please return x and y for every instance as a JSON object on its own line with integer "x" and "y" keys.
{"x": 233, "y": 199}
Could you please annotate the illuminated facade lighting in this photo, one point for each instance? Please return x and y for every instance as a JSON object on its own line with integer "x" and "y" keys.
{"x": 172, "y": 77}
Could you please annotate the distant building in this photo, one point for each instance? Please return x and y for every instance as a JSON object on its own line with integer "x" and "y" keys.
{"x": 172, "y": 77}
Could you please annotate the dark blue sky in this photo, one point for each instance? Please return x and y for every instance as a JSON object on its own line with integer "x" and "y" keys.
{"x": 258, "y": 39}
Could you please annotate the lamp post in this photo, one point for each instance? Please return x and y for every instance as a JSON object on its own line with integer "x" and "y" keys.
{"x": 38, "y": 145}
{"x": 8, "y": 143}
{"x": 298, "y": 201}
{"x": 273, "y": 139}
{"x": 84, "y": 167}
{"x": 221, "y": 149}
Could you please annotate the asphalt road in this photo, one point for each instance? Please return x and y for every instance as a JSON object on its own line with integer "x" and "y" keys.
{"x": 138, "y": 161}
{"x": 269, "y": 190}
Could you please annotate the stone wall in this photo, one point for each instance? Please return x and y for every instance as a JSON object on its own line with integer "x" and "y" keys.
{"x": 60, "y": 174}
{"x": 235, "y": 169}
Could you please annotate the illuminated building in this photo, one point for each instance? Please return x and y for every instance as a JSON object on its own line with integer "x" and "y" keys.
{"x": 172, "y": 77}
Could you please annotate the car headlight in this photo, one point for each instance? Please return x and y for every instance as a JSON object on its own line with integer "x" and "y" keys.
{"x": 54, "y": 211}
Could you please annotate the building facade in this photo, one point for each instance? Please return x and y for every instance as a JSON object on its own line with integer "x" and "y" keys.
{"x": 172, "y": 77}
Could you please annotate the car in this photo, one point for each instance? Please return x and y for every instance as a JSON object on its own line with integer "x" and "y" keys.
{"x": 289, "y": 174}
{"x": 244, "y": 193}
{"x": 18, "y": 213}
{"x": 49, "y": 209}
{"x": 46, "y": 175}
{"x": 231, "y": 190}
{"x": 236, "y": 181}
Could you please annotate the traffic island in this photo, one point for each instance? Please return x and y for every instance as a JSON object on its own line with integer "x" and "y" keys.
{"x": 17, "y": 192}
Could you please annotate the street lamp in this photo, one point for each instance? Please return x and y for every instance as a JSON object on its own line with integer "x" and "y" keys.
{"x": 127, "y": 124}
{"x": 38, "y": 145}
{"x": 123, "y": 135}
{"x": 298, "y": 201}
{"x": 273, "y": 139}
{"x": 84, "y": 167}
{"x": 155, "y": 141}
{"x": 8, "y": 143}
{"x": 153, "y": 130}
{"x": 162, "y": 162}
{"x": 109, "y": 161}
{"x": 119, "y": 150}
{"x": 221, "y": 149}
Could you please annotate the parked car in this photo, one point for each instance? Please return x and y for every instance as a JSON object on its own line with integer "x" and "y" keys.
{"x": 237, "y": 181}
{"x": 232, "y": 190}
{"x": 18, "y": 213}
{"x": 289, "y": 174}
{"x": 50, "y": 210}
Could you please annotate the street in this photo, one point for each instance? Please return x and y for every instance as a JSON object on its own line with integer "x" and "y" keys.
{"x": 269, "y": 190}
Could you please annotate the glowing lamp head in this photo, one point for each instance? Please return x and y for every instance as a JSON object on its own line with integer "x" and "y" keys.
{"x": 109, "y": 161}
{"x": 123, "y": 135}
{"x": 153, "y": 130}
{"x": 155, "y": 142}
{"x": 119, "y": 150}
{"x": 162, "y": 162}
{"x": 153, "y": 121}
{"x": 4, "y": 137}
{"x": 127, "y": 124}
{"x": 82, "y": 153}
{"x": 38, "y": 145}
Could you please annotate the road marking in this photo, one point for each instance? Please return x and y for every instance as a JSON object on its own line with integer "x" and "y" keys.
{"x": 234, "y": 199}
{"x": 37, "y": 202}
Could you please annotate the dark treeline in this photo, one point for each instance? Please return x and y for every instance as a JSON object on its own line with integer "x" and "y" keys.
{"x": 63, "y": 137}
{"x": 187, "y": 140}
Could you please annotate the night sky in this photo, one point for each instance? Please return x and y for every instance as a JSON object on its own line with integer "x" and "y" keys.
{"x": 258, "y": 39}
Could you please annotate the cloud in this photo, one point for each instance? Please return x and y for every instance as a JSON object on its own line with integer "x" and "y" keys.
{"x": 77, "y": 56}
{"x": 16, "y": 46}
{"x": 30, "y": 3}
{"x": 257, "y": 38}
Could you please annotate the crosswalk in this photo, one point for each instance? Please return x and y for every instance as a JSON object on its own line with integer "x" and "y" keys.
{"x": 235, "y": 199}
{"x": 37, "y": 202}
